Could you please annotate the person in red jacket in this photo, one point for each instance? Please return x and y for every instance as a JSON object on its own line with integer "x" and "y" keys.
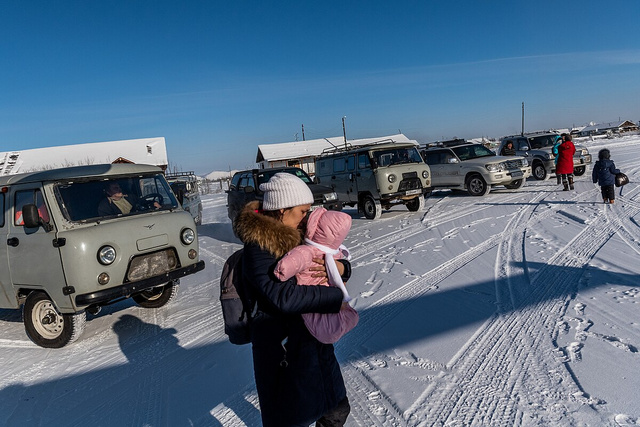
{"x": 564, "y": 168}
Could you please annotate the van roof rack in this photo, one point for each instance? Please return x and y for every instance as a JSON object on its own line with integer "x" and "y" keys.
{"x": 349, "y": 147}
{"x": 187, "y": 174}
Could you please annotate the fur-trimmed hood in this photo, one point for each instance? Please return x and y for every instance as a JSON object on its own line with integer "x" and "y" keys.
{"x": 268, "y": 233}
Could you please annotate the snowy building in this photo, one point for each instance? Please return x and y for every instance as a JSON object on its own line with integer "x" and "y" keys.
{"x": 622, "y": 126}
{"x": 150, "y": 151}
{"x": 303, "y": 154}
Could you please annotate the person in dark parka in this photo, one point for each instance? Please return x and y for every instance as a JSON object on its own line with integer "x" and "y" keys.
{"x": 508, "y": 149}
{"x": 604, "y": 173}
{"x": 298, "y": 378}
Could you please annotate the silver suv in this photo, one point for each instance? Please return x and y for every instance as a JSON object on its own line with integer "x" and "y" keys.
{"x": 75, "y": 239}
{"x": 474, "y": 167}
{"x": 376, "y": 176}
{"x": 536, "y": 147}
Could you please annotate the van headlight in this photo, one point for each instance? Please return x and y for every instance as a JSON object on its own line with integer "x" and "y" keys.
{"x": 187, "y": 236}
{"x": 425, "y": 174}
{"x": 106, "y": 255}
{"x": 330, "y": 197}
{"x": 392, "y": 178}
{"x": 585, "y": 152}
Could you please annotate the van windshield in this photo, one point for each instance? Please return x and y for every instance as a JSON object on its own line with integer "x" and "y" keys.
{"x": 93, "y": 200}
{"x": 396, "y": 156}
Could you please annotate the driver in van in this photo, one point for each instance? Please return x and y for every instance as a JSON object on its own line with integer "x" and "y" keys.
{"x": 116, "y": 202}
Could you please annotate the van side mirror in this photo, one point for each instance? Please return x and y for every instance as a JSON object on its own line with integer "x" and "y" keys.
{"x": 30, "y": 216}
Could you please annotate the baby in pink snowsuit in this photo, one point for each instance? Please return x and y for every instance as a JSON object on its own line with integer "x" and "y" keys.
{"x": 326, "y": 230}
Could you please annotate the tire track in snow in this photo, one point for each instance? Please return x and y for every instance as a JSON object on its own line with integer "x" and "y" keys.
{"x": 369, "y": 325}
{"x": 497, "y": 381}
{"x": 372, "y": 245}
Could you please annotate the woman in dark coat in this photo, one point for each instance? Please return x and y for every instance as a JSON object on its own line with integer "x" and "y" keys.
{"x": 298, "y": 378}
{"x": 564, "y": 167}
{"x": 604, "y": 173}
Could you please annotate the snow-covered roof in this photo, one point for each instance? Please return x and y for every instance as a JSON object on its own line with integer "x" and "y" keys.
{"x": 75, "y": 172}
{"x": 314, "y": 147}
{"x": 150, "y": 151}
{"x": 610, "y": 125}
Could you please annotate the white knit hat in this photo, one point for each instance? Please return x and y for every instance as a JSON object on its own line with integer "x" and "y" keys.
{"x": 284, "y": 190}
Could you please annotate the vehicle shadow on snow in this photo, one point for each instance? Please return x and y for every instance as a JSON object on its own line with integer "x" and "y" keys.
{"x": 177, "y": 386}
{"x": 182, "y": 386}
{"x": 218, "y": 230}
{"x": 11, "y": 315}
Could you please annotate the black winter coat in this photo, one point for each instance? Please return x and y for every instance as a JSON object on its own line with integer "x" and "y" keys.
{"x": 604, "y": 172}
{"x": 300, "y": 380}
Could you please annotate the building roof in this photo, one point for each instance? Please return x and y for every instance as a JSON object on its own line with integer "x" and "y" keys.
{"x": 610, "y": 125}
{"x": 78, "y": 172}
{"x": 150, "y": 151}
{"x": 315, "y": 147}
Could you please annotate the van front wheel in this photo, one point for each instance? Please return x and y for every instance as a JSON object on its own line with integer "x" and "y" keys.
{"x": 416, "y": 204}
{"x": 371, "y": 207}
{"x": 48, "y": 328}
{"x": 158, "y": 296}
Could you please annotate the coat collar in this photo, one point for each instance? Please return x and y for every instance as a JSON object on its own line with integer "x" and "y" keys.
{"x": 268, "y": 233}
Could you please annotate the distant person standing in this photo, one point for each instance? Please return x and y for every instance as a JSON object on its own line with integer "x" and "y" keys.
{"x": 604, "y": 173}
{"x": 564, "y": 167}
{"x": 554, "y": 150}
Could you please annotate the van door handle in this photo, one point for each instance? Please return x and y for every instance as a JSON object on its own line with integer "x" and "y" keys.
{"x": 13, "y": 241}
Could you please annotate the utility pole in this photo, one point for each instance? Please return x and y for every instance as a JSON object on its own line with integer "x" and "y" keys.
{"x": 344, "y": 132}
{"x": 303, "y": 132}
{"x": 522, "y": 132}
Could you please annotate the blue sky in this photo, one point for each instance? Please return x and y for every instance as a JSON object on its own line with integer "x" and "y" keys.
{"x": 218, "y": 78}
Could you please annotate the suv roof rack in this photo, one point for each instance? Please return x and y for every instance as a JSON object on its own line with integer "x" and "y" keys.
{"x": 537, "y": 132}
{"x": 447, "y": 143}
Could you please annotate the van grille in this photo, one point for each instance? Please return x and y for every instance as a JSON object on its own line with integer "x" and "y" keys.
{"x": 409, "y": 184}
{"x": 152, "y": 264}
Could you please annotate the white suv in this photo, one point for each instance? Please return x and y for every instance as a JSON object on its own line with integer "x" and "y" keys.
{"x": 474, "y": 168}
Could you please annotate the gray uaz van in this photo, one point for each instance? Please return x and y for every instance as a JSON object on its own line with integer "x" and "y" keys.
{"x": 66, "y": 248}
{"x": 376, "y": 176}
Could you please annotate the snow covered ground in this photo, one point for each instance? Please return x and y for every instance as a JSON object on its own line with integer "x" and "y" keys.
{"x": 518, "y": 308}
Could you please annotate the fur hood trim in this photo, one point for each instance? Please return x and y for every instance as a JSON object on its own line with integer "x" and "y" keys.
{"x": 268, "y": 233}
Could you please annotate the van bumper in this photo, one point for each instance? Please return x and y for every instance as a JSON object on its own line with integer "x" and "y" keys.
{"x": 128, "y": 289}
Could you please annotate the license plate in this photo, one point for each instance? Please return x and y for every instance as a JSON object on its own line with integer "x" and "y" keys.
{"x": 412, "y": 192}
{"x": 516, "y": 174}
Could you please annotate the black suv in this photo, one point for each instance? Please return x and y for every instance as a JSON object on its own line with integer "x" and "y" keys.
{"x": 245, "y": 187}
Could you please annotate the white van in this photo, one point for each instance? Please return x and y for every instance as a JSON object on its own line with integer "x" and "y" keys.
{"x": 63, "y": 254}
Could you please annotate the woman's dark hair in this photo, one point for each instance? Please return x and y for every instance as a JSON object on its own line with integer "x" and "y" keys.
{"x": 604, "y": 154}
